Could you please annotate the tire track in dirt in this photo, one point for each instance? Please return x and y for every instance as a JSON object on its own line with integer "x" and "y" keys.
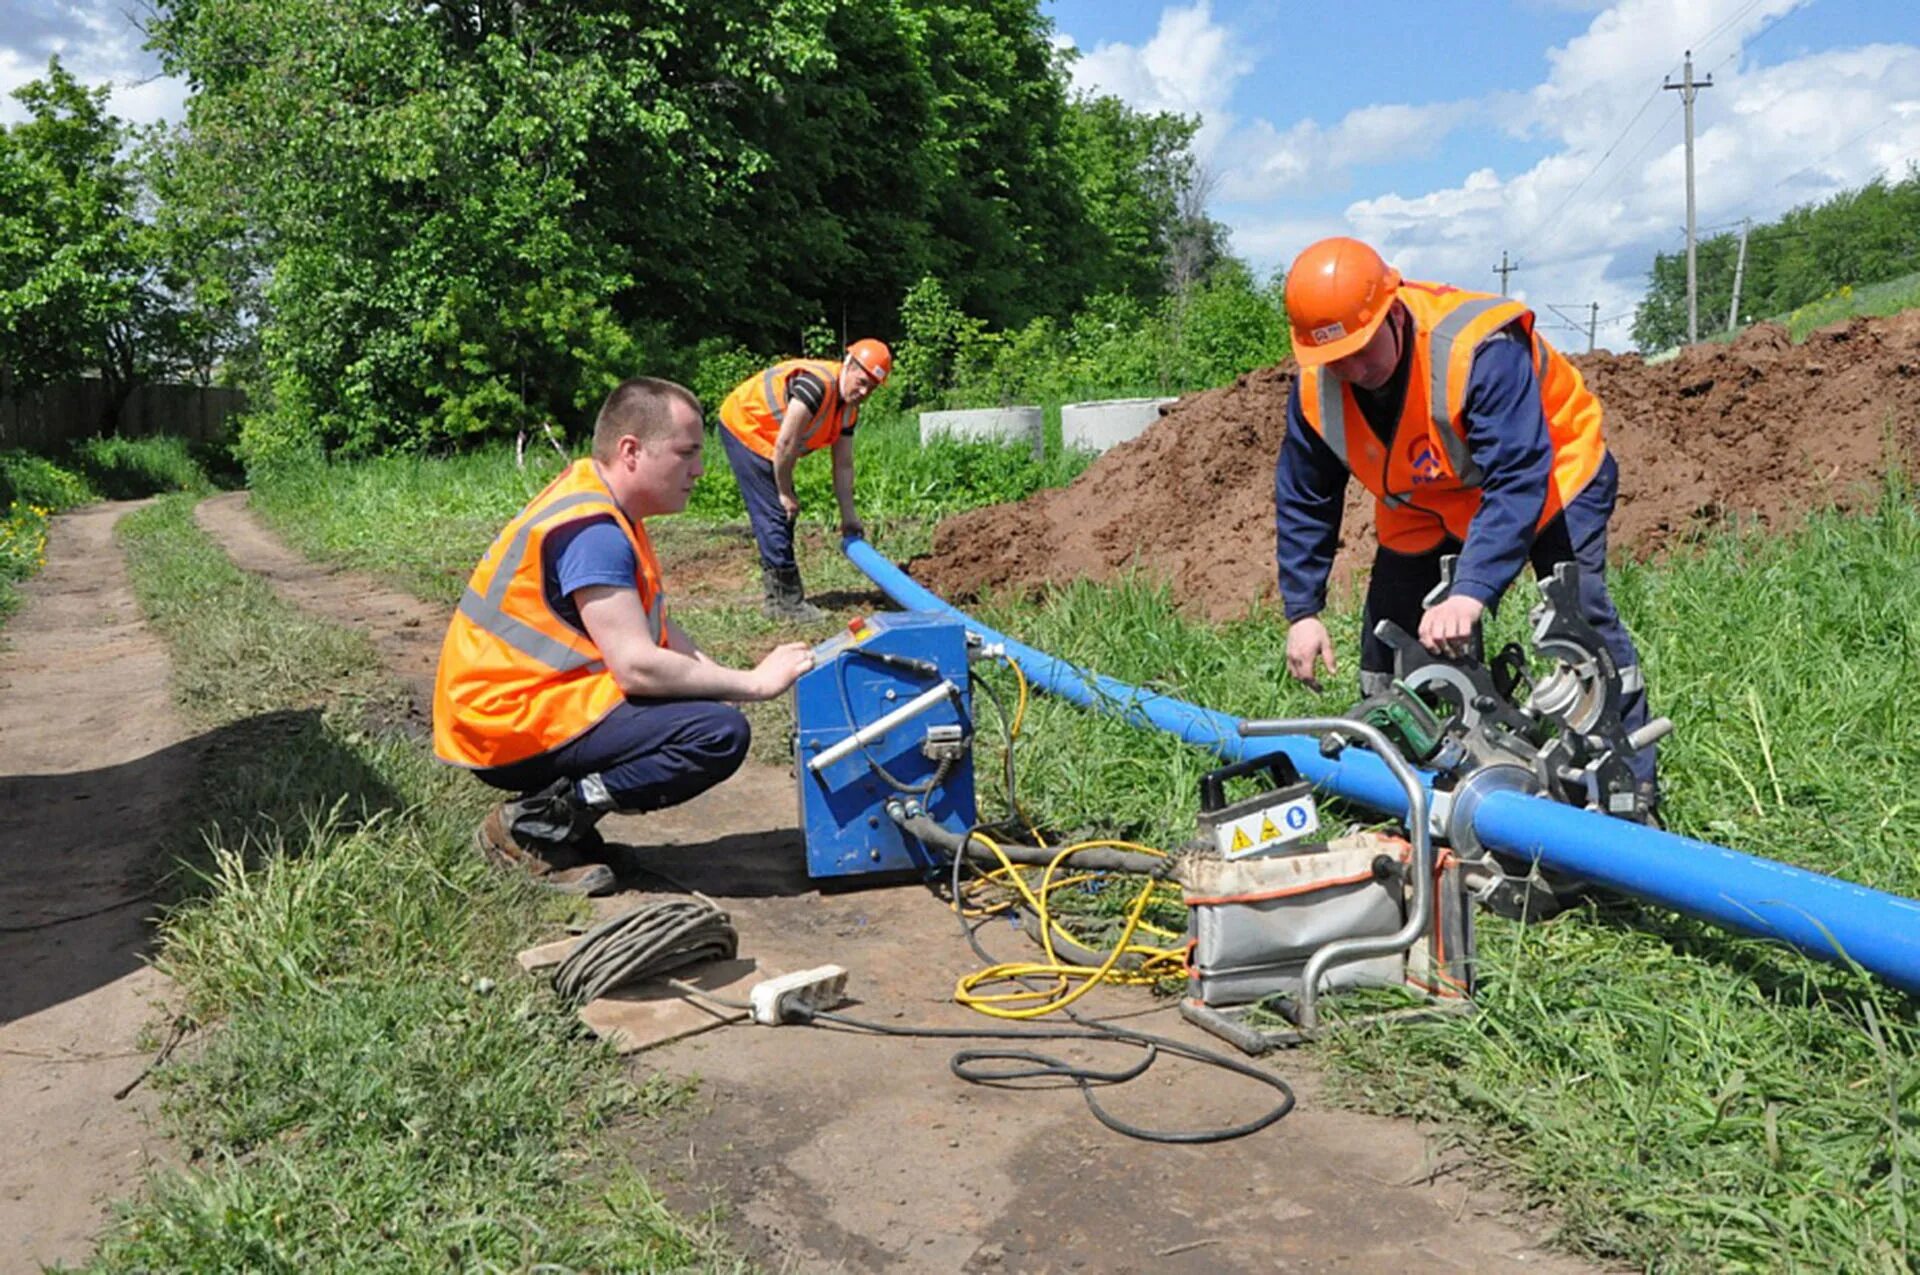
{"x": 94, "y": 768}
{"x": 828, "y": 1152}
{"x": 405, "y": 630}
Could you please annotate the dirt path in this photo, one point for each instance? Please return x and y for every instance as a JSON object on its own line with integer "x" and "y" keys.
{"x": 92, "y": 763}
{"x": 830, "y": 1152}
{"x": 406, "y": 630}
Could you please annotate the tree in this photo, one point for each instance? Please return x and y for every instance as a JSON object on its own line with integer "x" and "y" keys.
{"x": 465, "y": 217}
{"x": 1143, "y": 192}
{"x": 1856, "y": 237}
{"x": 67, "y": 257}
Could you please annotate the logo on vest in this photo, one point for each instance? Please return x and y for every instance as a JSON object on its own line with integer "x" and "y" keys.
{"x": 1426, "y": 463}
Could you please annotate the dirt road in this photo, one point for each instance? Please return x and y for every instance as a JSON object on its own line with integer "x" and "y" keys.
{"x": 92, "y": 760}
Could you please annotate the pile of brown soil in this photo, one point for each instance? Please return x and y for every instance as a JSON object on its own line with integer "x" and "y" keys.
{"x": 1761, "y": 430}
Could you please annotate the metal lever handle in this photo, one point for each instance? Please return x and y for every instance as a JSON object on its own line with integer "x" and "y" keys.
{"x": 875, "y": 729}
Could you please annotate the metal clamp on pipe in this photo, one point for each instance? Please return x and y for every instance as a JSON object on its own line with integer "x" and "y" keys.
{"x": 875, "y": 729}
{"x": 1420, "y": 893}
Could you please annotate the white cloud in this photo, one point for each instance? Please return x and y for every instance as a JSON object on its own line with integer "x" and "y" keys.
{"x": 1585, "y": 221}
{"x": 1190, "y": 66}
{"x": 98, "y": 43}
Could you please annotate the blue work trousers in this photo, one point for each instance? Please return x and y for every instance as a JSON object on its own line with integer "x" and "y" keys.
{"x": 772, "y": 529}
{"x": 649, "y": 754}
{"x": 1401, "y": 582}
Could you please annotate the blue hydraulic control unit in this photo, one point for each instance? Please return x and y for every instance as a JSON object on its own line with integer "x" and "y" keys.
{"x": 886, "y": 710}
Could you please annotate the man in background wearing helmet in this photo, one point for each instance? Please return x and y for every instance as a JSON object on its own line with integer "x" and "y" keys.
{"x": 774, "y": 417}
{"x": 1476, "y": 438}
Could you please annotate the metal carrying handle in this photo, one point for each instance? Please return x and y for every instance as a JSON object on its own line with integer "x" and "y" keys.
{"x": 1420, "y": 914}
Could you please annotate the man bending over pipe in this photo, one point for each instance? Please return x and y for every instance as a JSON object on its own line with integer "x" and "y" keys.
{"x": 1476, "y": 438}
{"x": 563, "y": 680}
{"x": 771, "y": 419}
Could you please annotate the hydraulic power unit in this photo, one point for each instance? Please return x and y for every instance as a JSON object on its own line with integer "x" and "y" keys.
{"x": 885, "y": 711}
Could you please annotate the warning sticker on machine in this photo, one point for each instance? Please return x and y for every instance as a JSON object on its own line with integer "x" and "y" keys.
{"x": 1263, "y": 830}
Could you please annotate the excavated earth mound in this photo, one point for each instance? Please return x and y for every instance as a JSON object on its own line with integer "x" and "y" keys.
{"x": 1759, "y": 431}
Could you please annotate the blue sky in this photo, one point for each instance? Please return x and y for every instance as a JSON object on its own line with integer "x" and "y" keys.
{"x": 1444, "y": 131}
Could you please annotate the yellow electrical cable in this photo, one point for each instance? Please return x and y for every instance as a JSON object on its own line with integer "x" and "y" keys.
{"x": 1156, "y": 962}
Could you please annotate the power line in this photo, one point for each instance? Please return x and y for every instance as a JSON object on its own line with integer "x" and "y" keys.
{"x": 1725, "y": 25}
{"x": 1552, "y": 217}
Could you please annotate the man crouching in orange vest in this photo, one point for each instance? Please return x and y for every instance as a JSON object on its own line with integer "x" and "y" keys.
{"x": 1476, "y": 438}
{"x": 773, "y": 418}
{"x": 564, "y": 680}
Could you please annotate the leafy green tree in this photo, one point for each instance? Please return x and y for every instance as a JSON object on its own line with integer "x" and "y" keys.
{"x": 1857, "y": 237}
{"x": 1133, "y": 169}
{"x": 467, "y": 217}
{"x": 67, "y": 276}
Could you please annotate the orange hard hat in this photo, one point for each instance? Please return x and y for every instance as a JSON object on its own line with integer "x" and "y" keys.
{"x": 873, "y": 357}
{"x": 1338, "y": 293}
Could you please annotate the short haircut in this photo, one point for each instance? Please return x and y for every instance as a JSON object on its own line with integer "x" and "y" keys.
{"x": 641, "y": 406}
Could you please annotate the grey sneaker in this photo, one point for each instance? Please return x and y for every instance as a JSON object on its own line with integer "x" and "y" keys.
{"x": 562, "y": 869}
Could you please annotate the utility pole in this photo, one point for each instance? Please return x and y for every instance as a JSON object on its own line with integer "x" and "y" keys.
{"x": 1593, "y": 325}
{"x": 1739, "y": 268}
{"x": 1503, "y": 270}
{"x": 1688, "y": 86}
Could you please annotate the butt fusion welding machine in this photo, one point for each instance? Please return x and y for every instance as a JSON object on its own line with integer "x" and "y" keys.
{"x": 1277, "y": 919}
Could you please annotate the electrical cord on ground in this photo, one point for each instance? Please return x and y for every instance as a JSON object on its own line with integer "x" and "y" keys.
{"x": 647, "y": 942}
{"x": 965, "y": 1065}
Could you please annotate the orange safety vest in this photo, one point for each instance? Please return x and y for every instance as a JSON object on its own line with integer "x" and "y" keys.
{"x": 515, "y": 679}
{"x": 1424, "y": 482}
{"x": 754, "y": 410}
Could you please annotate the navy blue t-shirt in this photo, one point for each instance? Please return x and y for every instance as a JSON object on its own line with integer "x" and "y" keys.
{"x": 591, "y": 551}
{"x": 1507, "y": 438}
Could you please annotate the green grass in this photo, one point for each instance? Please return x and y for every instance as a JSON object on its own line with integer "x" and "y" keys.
{"x": 423, "y": 523}
{"x": 378, "y": 1088}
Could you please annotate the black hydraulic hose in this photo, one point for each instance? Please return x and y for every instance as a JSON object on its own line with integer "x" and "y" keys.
{"x": 1102, "y": 859}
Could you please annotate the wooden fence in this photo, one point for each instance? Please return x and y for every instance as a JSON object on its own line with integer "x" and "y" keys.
{"x": 45, "y": 418}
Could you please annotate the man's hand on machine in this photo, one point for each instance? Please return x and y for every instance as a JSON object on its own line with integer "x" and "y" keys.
{"x": 1308, "y": 643}
{"x": 781, "y": 668}
{"x": 1447, "y": 629}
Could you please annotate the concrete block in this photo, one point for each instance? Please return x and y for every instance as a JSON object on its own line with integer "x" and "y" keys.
{"x": 991, "y": 424}
{"x": 1094, "y": 427}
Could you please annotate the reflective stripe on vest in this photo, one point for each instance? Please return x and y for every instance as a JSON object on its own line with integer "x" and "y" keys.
{"x": 1439, "y": 372}
{"x": 1333, "y": 426}
{"x": 489, "y": 612}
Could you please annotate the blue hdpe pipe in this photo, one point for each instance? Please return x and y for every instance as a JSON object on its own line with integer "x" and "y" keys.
{"x": 1820, "y": 915}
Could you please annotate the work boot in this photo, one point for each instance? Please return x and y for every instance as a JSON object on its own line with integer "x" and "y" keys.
{"x": 550, "y": 836}
{"x": 786, "y": 597}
